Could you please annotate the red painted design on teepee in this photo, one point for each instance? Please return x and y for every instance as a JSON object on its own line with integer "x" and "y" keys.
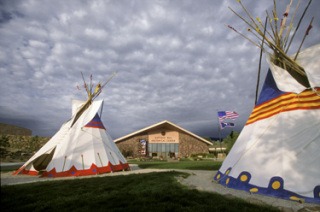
{"x": 119, "y": 167}
{"x": 95, "y": 123}
{"x": 73, "y": 172}
{"x": 22, "y": 170}
{"x": 125, "y": 166}
{"x": 104, "y": 169}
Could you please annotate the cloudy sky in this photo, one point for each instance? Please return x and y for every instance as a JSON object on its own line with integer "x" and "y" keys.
{"x": 175, "y": 60}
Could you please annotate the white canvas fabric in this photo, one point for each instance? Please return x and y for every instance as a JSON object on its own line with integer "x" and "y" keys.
{"x": 76, "y": 105}
{"x": 309, "y": 60}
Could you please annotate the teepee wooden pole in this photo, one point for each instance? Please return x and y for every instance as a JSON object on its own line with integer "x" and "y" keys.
{"x": 85, "y": 85}
{"x": 259, "y": 70}
{"x": 100, "y": 159}
{"x": 304, "y": 37}
{"x": 294, "y": 33}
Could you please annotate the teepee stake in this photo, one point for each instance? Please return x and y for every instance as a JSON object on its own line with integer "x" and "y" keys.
{"x": 64, "y": 162}
{"x": 82, "y": 162}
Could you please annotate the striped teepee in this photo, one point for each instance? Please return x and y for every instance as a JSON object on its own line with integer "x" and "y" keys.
{"x": 278, "y": 151}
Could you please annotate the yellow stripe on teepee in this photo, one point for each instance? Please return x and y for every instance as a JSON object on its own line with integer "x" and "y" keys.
{"x": 288, "y": 102}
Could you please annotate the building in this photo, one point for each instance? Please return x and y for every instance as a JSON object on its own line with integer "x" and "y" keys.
{"x": 162, "y": 140}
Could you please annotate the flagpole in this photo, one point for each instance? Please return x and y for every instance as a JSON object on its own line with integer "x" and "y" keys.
{"x": 219, "y": 131}
{"x": 222, "y": 115}
{"x": 220, "y": 139}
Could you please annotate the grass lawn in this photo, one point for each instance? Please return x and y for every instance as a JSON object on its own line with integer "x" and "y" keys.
{"x": 136, "y": 192}
{"x": 182, "y": 164}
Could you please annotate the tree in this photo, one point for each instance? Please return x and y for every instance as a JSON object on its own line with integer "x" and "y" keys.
{"x": 4, "y": 141}
{"x": 230, "y": 140}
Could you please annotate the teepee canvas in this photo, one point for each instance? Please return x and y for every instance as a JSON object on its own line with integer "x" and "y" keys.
{"x": 278, "y": 151}
{"x": 81, "y": 147}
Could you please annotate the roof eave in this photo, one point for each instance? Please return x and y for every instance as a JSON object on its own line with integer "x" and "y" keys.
{"x": 158, "y": 124}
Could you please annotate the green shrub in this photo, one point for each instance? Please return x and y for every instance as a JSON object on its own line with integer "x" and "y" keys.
{"x": 4, "y": 141}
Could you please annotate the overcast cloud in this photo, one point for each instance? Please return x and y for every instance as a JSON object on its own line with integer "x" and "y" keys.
{"x": 175, "y": 60}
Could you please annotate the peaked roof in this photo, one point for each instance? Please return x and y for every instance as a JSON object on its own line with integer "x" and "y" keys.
{"x": 166, "y": 124}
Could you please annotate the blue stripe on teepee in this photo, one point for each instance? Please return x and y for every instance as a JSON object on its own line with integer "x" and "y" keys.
{"x": 269, "y": 90}
{"x": 95, "y": 123}
{"x": 275, "y": 187}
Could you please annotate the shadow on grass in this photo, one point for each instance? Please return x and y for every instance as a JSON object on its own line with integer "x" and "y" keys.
{"x": 191, "y": 165}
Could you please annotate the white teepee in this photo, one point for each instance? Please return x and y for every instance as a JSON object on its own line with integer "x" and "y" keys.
{"x": 278, "y": 151}
{"x": 81, "y": 147}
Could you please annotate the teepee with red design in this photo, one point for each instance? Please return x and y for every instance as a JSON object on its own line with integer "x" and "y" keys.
{"x": 81, "y": 147}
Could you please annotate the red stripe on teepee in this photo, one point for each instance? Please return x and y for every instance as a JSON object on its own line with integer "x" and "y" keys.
{"x": 93, "y": 170}
{"x": 307, "y": 100}
{"x": 95, "y": 123}
{"x": 73, "y": 172}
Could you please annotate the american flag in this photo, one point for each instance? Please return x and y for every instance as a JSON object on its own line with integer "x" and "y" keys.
{"x": 227, "y": 115}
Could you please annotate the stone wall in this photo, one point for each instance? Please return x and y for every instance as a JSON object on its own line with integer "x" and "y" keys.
{"x": 189, "y": 145}
{"x": 130, "y": 147}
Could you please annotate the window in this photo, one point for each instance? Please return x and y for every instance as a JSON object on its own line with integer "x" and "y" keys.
{"x": 163, "y": 148}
